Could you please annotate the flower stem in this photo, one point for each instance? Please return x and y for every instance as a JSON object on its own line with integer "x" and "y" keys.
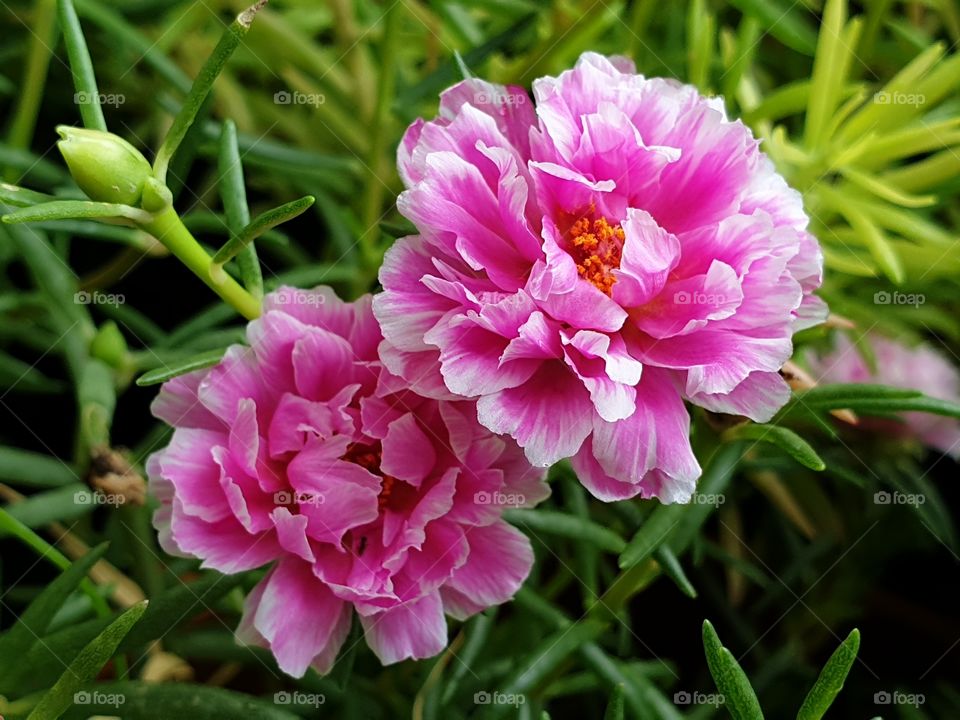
{"x": 167, "y": 227}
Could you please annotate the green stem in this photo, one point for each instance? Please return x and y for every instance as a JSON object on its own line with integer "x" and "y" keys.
{"x": 167, "y": 227}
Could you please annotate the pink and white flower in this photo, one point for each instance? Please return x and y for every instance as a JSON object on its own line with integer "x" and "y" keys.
{"x": 916, "y": 368}
{"x": 303, "y": 452}
{"x": 589, "y": 261}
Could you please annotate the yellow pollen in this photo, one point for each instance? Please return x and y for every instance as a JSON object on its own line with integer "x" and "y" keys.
{"x": 596, "y": 248}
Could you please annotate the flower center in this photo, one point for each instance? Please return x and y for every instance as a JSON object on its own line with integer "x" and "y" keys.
{"x": 369, "y": 458}
{"x": 596, "y": 246}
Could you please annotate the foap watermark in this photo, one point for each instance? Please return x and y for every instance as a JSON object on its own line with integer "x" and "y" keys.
{"x": 882, "y": 497}
{"x": 499, "y": 498}
{"x": 283, "y": 97}
{"x": 299, "y": 698}
{"x": 882, "y": 297}
{"x": 696, "y": 697}
{"x": 684, "y": 297}
{"x": 109, "y": 99}
{"x": 299, "y": 298}
{"x": 290, "y": 497}
{"x": 95, "y": 697}
{"x": 485, "y": 697}
{"x": 84, "y": 297}
{"x": 485, "y": 98}
{"x": 899, "y": 98}
{"x": 85, "y": 497}
{"x": 712, "y": 499}
{"x": 898, "y": 698}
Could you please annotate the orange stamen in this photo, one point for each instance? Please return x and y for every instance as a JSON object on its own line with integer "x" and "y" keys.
{"x": 596, "y": 248}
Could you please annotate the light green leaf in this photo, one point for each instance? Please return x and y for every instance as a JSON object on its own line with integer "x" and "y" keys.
{"x": 263, "y": 222}
{"x": 568, "y": 526}
{"x": 201, "y": 88}
{"x": 85, "y": 667}
{"x": 67, "y": 209}
{"x": 615, "y": 707}
{"x": 740, "y": 700}
{"x": 148, "y": 701}
{"x": 784, "y": 438}
{"x": 832, "y": 677}
{"x": 22, "y": 467}
{"x": 172, "y": 370}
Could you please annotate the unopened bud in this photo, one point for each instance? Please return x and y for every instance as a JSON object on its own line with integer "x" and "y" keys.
{"x": 109, "y": 345}
{"x": 106, "y": 167}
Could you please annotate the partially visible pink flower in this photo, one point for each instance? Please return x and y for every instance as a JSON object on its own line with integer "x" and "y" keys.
{"x": 302, "y": 451}
{"x": 588, "y": 263}
{"x": 917, "y": 368}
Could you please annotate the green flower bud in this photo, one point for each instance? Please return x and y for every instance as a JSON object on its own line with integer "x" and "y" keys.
{"x": 107, "y": 168}
{"x": 109, "y": 345}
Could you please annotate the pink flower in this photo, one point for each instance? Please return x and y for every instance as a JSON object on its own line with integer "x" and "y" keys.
{"x": 587, "y": 264}
{"x": 302, "y": 451}
{"x": 918, "y": 368}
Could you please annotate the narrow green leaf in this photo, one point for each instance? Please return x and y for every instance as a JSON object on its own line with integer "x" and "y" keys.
{"x": 655, "y": 530}
{"x": 233, "y": 193}
{"x": 197, "y": 362}
{"x": 701, "y": 36}
{"x": 65, "y": 209}
{"x": 826, "y": 81}
{"x": 568, "y": 526}
{"x": 785, "y": 22}
{"x": 477, "y": 631}
{"x": 84, "y": 81}
{"x": 615, "y": 707}
{"x": 832, "y": 677}
{"x": 552, "y": 651}
{"x": 674, "y": 570}
{"x": 835, "y": 394}
{"x": 889, "y": 108}
{"x": 86, "y": 665}
{"x": 876, "y": 241}
{"x": 22, "y": 467}
{"x": 15, "y": 374}
{"x": 58, "y": 505}
{"x": 201, "y": 88}
{"x": 919, "y": 404}
{"x": 148, "y": 701}
{"x": 885, "y": 191}
{"x": 263, "y": 222}
{"x": 740, "y": 700}
{"x": 21, "y": 197}
{"x": 785, "y": 439}
{"x": 178, "y": 604}
{"x": 35, "y": 620}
